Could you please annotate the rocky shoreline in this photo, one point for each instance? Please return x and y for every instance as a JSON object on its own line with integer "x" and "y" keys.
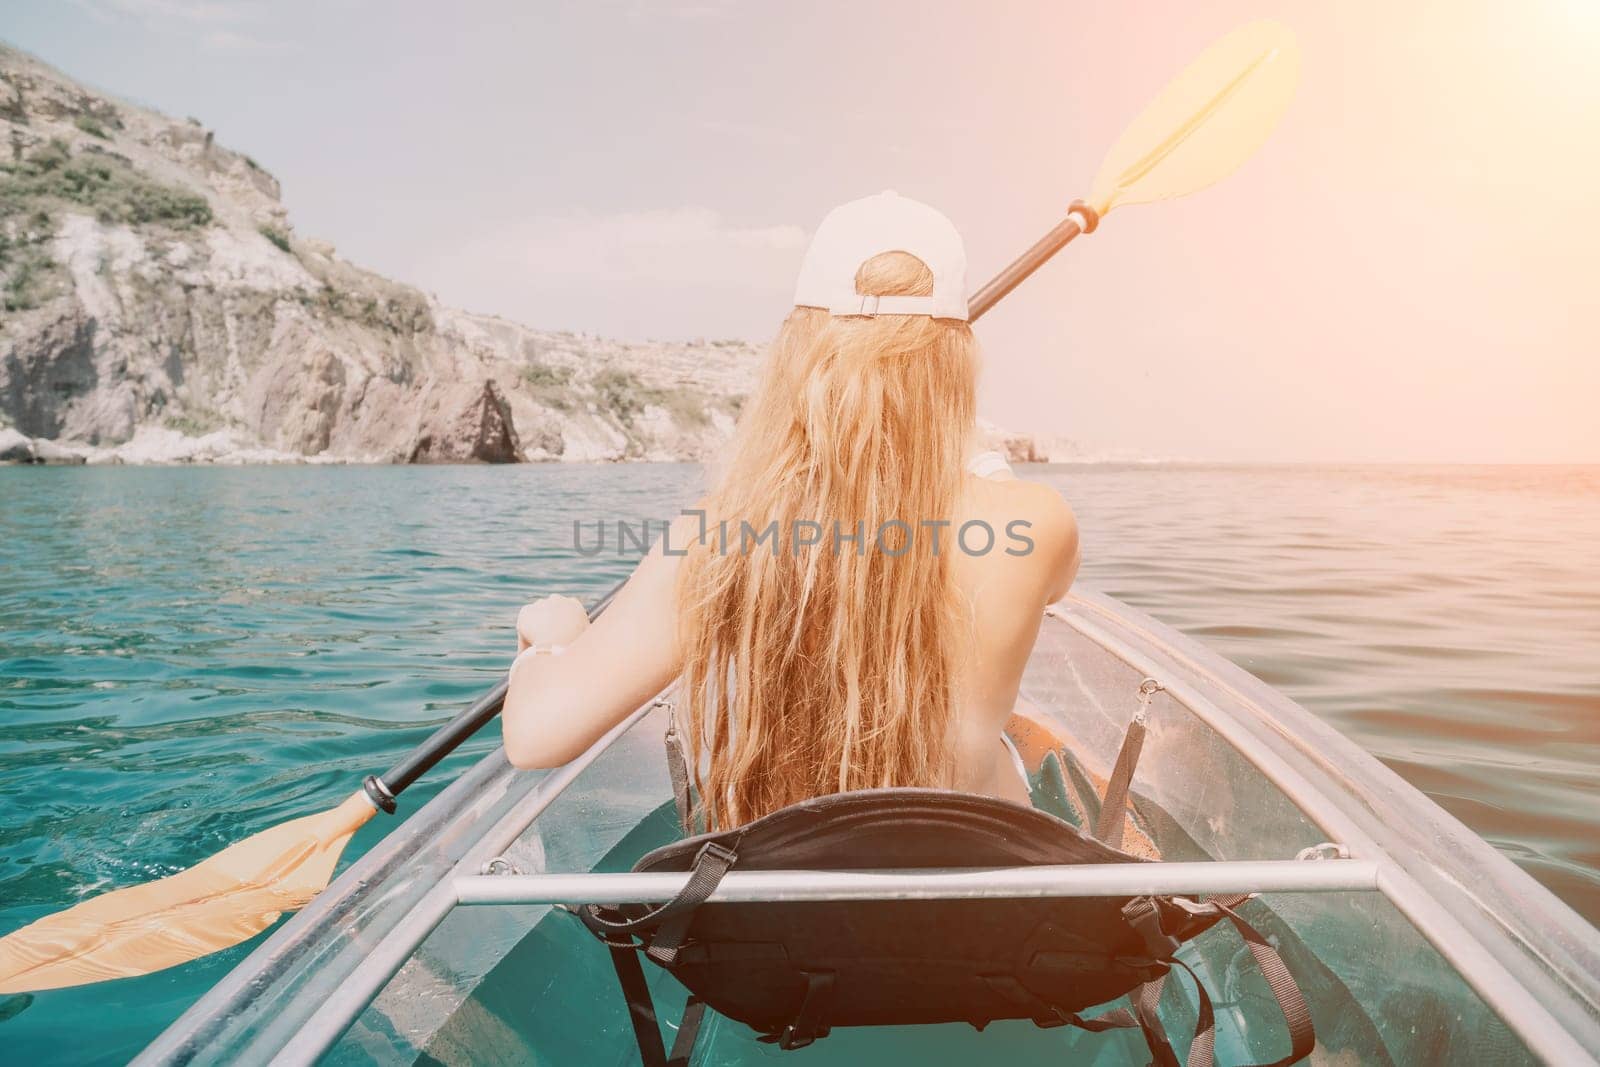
{"x": 159, "y": 446}
{"x": 149, "y": 446}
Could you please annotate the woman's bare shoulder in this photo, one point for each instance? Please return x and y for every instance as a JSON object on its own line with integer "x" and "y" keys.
{"x": 1036, "y": 525}
{"x": 1039, "y": 505}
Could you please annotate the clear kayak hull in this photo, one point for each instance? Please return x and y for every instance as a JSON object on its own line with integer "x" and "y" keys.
{"x": 1457, "y": 956}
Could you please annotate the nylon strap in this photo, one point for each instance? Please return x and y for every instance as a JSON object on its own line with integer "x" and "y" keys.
{"x": 1202, "y": 1050}
{"x": 1146, "y": 999}
{"x": 1115, "y": 1019}
{"x": 1046, "y": 1015}
{"x": 694, "y": 1013}
{"x": 1113, "y": 807}
{"x": 641, "y": 1008}
{"x": 1146, "y": 1004}
{"x": 710, "y": 865}
{"x": 1291, "y": 1002}
{"x": 1144, "y": 915}
{"x": 677, "y": 770}
{"x": 670, "y": 923}
{"x": 1296, "y": 1016}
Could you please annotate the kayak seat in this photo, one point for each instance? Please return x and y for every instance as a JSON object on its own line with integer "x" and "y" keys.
{"x": 793, "y": 970}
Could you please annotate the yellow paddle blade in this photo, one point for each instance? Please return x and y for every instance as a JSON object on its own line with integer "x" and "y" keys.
{"x": 217, "y": 903}
{"x": 1206, "y": 122}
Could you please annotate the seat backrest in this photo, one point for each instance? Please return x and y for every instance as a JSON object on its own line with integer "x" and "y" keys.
{"x": 850, "y": 963}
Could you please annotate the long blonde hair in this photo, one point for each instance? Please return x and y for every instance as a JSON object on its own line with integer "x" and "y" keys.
{"x": 816, "y": 669}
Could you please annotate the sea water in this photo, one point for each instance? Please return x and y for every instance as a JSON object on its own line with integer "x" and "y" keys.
{"x": 189, "y": 655}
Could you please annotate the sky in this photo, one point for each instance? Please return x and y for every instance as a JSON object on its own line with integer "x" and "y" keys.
{"x": 1407, "y": 271}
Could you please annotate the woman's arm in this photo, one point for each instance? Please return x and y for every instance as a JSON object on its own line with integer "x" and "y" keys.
{"x": 1071, "y": 553}
{"x": 559, "y": 705}
{"x": 1054, "y": 530}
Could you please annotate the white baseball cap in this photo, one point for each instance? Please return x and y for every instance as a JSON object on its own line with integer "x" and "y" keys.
{"x": 853, "y": 233}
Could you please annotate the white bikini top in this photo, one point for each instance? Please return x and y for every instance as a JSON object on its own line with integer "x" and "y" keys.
{"x": 989, "y": 464}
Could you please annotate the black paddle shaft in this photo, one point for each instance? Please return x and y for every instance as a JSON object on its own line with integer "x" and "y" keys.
{"x": 382, "y": 790}
{"x": 1081, "y": 218}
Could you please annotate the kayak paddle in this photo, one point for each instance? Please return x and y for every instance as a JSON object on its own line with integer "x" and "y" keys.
{"x": 1204, "y": 125}
{"x": 1200, "y": 129}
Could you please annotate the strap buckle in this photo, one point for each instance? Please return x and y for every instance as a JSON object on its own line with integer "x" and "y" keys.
{"x": 792, "y": 1039}
{"x": 1144, "y": 916}
{"x": 711, "y": 863}
{"x": 811, "y": 1022}
{"x": 712, "y": 850}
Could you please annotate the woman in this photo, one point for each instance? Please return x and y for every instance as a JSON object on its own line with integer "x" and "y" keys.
{"x": 877, "y": 637}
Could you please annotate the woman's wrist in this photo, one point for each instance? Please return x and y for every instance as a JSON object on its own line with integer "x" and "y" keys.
{"x": 531, "y": 653}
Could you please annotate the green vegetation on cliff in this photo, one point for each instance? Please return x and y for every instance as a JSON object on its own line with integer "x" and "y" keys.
{"x": 550, "y": 386}
{"x": 276, "y": 236}
{"x": 36, "y": 188}
{"x": 52, "y": 177}
{"x": 625, "y": 395}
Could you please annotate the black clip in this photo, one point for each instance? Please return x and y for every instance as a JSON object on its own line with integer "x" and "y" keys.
{"x": 809, "y": 1023}
{"x": 1144, "y": 916}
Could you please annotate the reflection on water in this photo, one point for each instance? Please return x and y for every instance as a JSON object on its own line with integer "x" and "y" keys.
{"x": 190, "y": 655}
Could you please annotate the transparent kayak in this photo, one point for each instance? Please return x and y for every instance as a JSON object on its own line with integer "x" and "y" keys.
{"x": 1414, "y": 941}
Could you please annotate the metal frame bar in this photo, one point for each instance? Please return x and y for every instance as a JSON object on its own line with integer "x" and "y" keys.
{"x": 1086, "y": 880}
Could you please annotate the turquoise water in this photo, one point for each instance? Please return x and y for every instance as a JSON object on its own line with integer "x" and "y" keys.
{"x": 190, "y": 655}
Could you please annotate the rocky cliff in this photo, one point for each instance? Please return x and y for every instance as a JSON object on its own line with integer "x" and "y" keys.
{"x": 158, "y": 305}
